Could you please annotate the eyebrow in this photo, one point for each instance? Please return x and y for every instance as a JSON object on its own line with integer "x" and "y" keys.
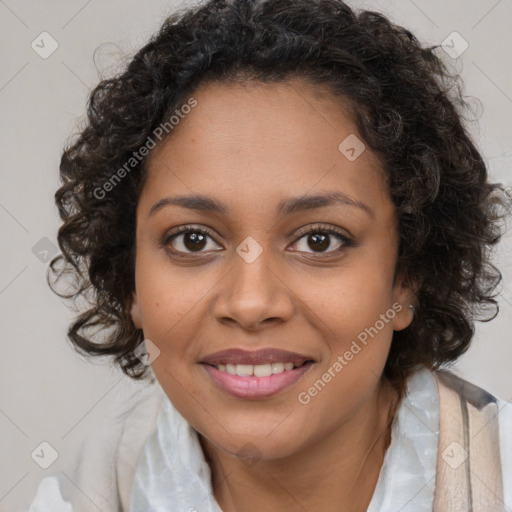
{"x": 286, "y": 207}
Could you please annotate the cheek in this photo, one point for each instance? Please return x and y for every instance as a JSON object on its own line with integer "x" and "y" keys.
{"x": 353, "y": 309}
{"x": 171, "y": 302}
{"x": 347, "y": 300}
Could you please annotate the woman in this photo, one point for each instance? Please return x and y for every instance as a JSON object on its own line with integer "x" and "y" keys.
{"x": 281, "y": 221}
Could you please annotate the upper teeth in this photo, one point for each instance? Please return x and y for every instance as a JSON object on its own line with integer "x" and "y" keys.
{"x": 258, "y": 370}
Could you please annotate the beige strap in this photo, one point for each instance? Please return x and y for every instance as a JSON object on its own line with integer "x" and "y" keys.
{"x": 468, "y": 477}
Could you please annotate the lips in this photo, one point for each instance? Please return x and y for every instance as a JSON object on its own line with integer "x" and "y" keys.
{"x": 257, "y": 374}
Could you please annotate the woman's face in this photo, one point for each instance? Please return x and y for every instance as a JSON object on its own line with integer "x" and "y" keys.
{"x": 245, "y": 174}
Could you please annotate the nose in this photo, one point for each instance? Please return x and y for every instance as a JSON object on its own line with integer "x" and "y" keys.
{"x": 254, "y": 295}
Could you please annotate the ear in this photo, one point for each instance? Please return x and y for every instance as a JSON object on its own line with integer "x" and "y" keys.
{"x": 135, "y": 311}
{"x": 404, "y": 295}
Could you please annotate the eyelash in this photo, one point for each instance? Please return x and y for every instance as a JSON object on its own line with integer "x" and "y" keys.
{"x": 342, "y": 237}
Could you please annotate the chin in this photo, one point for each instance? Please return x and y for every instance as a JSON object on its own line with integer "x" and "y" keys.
{"x": 255, "y": 439}
{"x": 255, "y": 448}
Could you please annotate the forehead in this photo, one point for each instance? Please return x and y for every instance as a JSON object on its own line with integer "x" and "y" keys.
{"x": 241, "y": 115}
{"x": 268, "y": 139}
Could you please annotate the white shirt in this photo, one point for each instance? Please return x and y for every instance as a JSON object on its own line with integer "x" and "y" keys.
{"x": 172, "y": 474}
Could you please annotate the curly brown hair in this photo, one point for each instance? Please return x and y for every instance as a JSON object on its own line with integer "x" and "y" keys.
{"x": 408, "y": 109}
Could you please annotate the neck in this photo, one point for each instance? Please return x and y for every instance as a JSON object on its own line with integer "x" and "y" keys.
{"x": 340, "y": 470}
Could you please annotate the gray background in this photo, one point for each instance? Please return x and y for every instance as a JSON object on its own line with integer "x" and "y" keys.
{"x": 47, "y": 392}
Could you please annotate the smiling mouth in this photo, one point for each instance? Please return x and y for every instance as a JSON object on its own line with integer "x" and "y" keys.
{"x": 258, "y": 370}
{"x": 256, "y": 374}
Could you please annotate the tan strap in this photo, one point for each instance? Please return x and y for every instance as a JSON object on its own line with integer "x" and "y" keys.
{"x": 468, "y": 476}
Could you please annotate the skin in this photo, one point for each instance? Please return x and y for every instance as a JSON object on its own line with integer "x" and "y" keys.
{"x": 251, "y": 146}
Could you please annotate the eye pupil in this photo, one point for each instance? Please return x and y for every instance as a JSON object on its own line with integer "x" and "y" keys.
{"x": 322, "y": 241}
{"x": 196, "y": 241}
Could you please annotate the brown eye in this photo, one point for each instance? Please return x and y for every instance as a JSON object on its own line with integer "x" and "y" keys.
{"x": 194, "y": 241}
{"x": 318, "y": 239}
{"x": 189, "y": 240}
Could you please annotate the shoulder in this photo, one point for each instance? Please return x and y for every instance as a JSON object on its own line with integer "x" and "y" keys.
{"x": 105, "y": 461}
{"x": 479, "y": 399}
{"x": 488, "y": 420}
